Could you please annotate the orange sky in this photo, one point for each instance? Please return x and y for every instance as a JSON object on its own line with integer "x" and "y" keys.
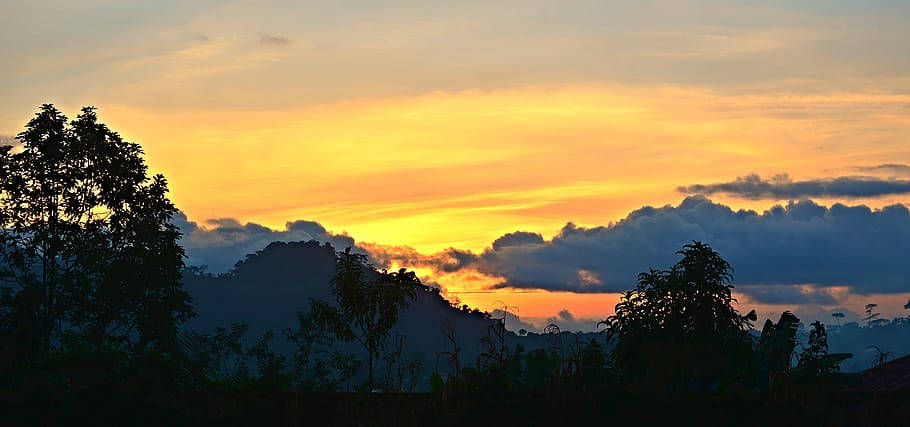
{"x": 461, "y": 169}
{"x": 434, "y": 125}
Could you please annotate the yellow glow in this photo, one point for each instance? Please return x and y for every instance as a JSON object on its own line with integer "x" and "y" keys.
{"x": 460, "y": 169}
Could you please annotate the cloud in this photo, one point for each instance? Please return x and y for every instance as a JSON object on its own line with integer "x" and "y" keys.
{"x": 799, "y": 253}
{"x": 782, "y": 187}
{"x": 225, "y": 241}
{"x": 891, "y": 168}
{"x": 513, "y": 322}
{"x": 564, "y": 319}
{"x": 268, "y": 39}
{"x": 811, "y": 314}
{"x": 9, "y": 140}
{"x": 568, "y": 322}
{"x": 791, "y": 294}
{"x": 801, "y": 243}
{"x": 516, "y": 239}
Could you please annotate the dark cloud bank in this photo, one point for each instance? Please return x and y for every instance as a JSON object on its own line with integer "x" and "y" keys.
{"x": 782, "y": 187}
{"x": 772, "y": 252}
{"x": 226, "y": 241}
{"x": 797, "y": 244}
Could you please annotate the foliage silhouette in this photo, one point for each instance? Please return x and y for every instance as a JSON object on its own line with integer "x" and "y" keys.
{"x": 214, "y": 359}
{"x": 814, "y": 360}
{"x": 871, "y": 316}
{"x": 837, "y": 316}
{"x": 880, "y": 358}
{"x": 448, "y": 332}
{"x": 316, "y": 368}
{"x": 367, "y": 310}
{"x": 89, "y": 258}
{"x": 777, "y": 347}
{"x": 678, "y": 328}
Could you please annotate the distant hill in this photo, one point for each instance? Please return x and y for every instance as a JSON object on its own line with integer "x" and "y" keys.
{"x": 892, "y": 337}
{"x": 268, "y": 288}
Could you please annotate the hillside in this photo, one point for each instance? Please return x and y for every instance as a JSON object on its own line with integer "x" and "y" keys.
{"x": 268, "y": 288}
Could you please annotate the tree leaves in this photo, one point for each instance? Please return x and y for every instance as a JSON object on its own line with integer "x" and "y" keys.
{"x": 366, "y": 310}
{"x": 84, "y": 226}
{"x": 680, "y": 326}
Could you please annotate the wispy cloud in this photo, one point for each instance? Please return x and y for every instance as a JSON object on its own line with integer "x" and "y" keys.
{"x": 273, "y": 40}
{"x": 782, "y": 187}
{"x": 888, "y": 168}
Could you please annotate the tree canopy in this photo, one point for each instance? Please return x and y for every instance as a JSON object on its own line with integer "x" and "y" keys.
{"x": 366, "y": 309}
{"x": 678, "y": 327}
{"x": 88, "y": 253}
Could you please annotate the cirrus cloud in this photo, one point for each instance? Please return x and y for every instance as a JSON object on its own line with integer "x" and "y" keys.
{"x": 888, "y": 168}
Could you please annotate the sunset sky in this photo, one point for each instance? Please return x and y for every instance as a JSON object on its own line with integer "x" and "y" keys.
{"x": 427, "y": 130}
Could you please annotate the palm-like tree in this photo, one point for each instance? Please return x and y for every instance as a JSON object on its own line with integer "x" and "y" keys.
{"x": 366, "y": 309}
{"x": 777, "y": 346}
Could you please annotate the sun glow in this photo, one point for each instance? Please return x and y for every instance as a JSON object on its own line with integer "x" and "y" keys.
{"x": 459, "y": 169}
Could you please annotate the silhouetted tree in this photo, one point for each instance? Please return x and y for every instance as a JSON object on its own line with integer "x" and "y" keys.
{"x": 451, "y": 342}
{"x": 871, "y": 315}
{"x": 88, "y": 253}
{"x": 269, "y": 365}
{"x": 214, "y": 359}
{"x": 679, "y": 328}
{"x": 837, "y": 316}
{"x": 815, "y": 361}
{"x": 310, "y": 340}
{"x": 880, "y": 357}
{"x": 367, "y": 310}
{"x": 776, "y": 347}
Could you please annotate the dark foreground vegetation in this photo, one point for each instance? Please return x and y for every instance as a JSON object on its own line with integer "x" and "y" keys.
{"x": 94, "y": 318}
{"x": 612, "y": 407}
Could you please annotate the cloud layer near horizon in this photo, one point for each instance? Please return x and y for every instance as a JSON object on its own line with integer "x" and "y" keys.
{"x": 226, "y": 241}
{"x": 800, "y": 253}
{"x": 801, "y": 243}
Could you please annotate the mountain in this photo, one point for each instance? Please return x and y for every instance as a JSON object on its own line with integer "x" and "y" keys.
{"x": 269, "y": 287}
{"x": 266, "y": 290}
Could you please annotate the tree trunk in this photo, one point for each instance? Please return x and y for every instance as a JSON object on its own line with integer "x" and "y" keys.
{"x": 370, "y": 382}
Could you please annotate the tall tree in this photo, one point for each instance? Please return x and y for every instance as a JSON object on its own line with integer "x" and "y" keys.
{"x": 88, "y": 255}
{"x": 777, "y": 345}
{"x": 815, "y": 361}
{"x": 366, "y": 309}
{"x": 871, "y": 316}
{"x": 679, "y": 328}
{"x": 837, "y": 316}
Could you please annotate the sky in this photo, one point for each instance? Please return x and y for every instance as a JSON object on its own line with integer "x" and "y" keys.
{"x": 425, "y": 131}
